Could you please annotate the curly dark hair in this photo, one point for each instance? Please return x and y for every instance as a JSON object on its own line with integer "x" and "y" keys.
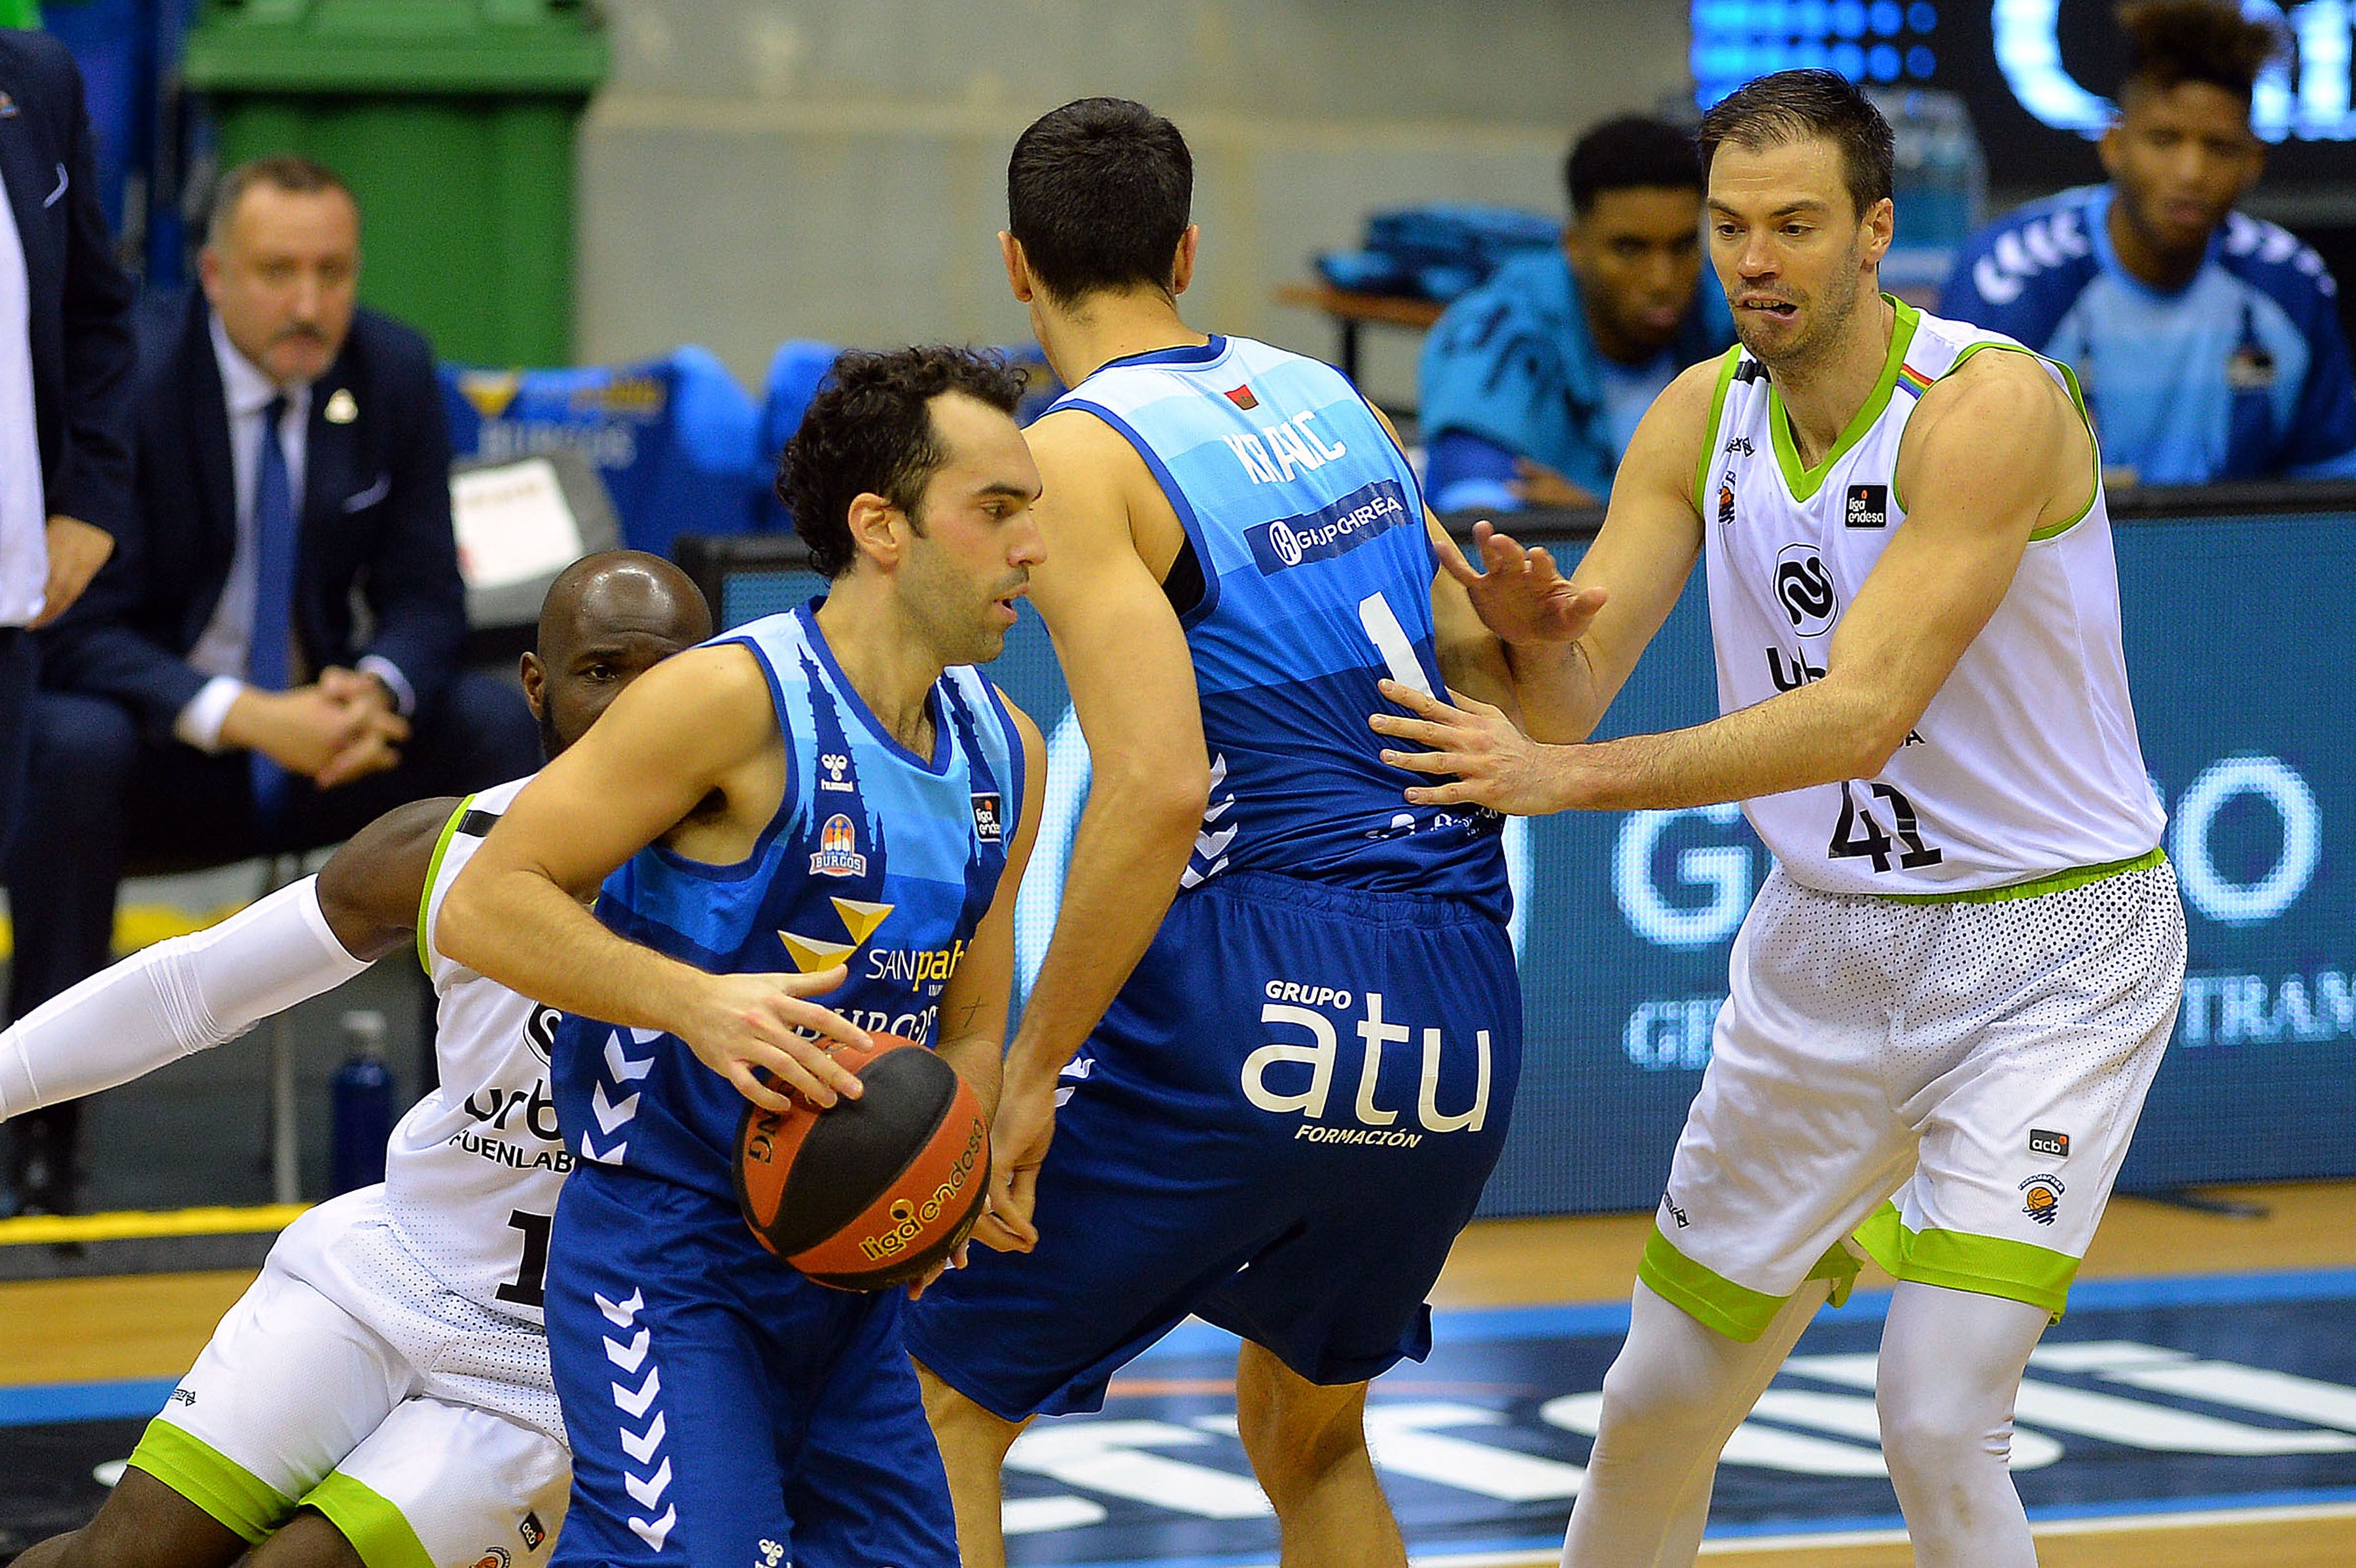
{"x": 2177, "y": 41}
{"x": 1633, "y": 152}
{"x": 1099, "y": 192}
{"x": 1795, "y": 105}
{"x": 870, "y": 432}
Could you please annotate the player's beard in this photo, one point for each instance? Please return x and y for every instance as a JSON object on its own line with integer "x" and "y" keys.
{"x": 1827, "y": 316}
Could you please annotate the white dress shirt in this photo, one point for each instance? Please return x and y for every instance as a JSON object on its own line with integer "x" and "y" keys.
{"x": 221, "y": 652}
{"x": 24, "y": 507}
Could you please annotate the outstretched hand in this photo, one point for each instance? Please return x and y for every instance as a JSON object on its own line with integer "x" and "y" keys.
{"x": 1494, "y": 764}
{"x": 1519, "y": 593}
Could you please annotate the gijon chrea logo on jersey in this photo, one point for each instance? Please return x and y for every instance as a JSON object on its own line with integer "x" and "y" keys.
{"x": 1330, "y": 531}
{"x": 1803, "y": 586}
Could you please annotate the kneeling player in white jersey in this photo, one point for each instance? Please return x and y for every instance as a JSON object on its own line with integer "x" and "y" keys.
{"x": 1953, "y": 992}
{"x": 380, "y": 1395}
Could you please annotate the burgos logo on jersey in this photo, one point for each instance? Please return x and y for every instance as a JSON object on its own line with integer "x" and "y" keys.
{"x": 837, "y": 849}
{"x": 1331, "y": 531}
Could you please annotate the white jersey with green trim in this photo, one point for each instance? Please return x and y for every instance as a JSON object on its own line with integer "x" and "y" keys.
{"x": 472, "y": 1172}
{"x": 2026, "y": 764}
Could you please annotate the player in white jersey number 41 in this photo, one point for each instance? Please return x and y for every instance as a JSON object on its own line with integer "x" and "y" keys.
{"x": 380, "y": 1395}
{"x": 1953, "y": 991}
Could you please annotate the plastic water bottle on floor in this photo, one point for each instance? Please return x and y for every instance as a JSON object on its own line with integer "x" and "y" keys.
{"x": 362, "y": 1095}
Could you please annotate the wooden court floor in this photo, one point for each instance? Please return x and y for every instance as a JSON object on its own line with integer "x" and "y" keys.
{"x": 153, "y": 1326}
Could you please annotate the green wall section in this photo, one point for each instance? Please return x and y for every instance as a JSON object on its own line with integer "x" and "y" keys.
{"x": 453, "y": 120}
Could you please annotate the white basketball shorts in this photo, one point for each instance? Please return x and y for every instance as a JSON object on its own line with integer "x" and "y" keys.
{"x": 1953, "y": 1082}
{"x": 326, "y": 1389}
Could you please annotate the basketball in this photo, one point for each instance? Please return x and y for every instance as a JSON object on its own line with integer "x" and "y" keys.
{"x": 870, "y": 1192}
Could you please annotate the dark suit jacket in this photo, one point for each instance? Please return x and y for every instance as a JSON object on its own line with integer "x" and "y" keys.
{"x": 80, "y": 325}
{"x": 376, "y": 519}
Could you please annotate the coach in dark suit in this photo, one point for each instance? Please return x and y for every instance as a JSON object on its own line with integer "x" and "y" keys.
{"x": 214, "y": 695}
{"x": 64, "y": 457}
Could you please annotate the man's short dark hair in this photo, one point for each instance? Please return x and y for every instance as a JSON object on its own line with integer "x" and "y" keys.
{"x": 1795, "y": 105}
{"x": 2171, "y": 42}
{"x": 869, "y": 431}
{"x": 1098, "y": 194}
{"x": 290, "y": 172}
{"x": 1634, "y": 152}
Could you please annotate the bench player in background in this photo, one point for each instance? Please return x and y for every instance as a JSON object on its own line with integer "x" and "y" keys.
{"x": 2208, "y": 342}
{"x": 380, "y": 1395}
{"x": 833, "y": 784}
{"x": 1314, "y": 1024}
{"x": 1953, "y": 991}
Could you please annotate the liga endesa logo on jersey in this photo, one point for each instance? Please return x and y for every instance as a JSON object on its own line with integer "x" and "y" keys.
{"x": 1336, "y": 529}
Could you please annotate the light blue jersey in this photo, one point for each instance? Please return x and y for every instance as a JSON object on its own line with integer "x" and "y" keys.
{"x": 1309, "y": 528}
{"x": 877, "y": 858}
{"x": 2243, "y": 373}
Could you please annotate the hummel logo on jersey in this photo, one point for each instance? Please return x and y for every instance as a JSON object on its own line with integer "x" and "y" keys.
{"x": 2042, "y": 1142}
{"x": 835, "y": 763}
{"x": 1242, "y": 397}
{"x": 1741, "y": 447}
{"x": 1867, "y": 506}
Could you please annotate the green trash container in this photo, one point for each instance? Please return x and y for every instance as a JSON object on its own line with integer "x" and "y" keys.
{"x": 453, "y": 120}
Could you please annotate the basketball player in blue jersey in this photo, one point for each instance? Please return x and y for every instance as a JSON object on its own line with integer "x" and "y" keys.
{"x": 832, "y": 794}
{"x": 1955, "y": 987}
{"x": 2207, "y": 341}
{"x": 1268, "y": 1061}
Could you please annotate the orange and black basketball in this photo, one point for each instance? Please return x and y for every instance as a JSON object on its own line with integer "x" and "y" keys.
{"x": 874, "y": 1191}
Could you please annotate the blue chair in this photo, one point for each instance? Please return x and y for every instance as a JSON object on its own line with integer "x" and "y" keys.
{"x": 673, "y": 438}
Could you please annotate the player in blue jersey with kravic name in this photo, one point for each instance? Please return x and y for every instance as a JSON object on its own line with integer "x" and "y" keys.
{"x": 2208, "y": 342}
{"x": 1278, "y": 1010}
{"x": 827, "y": 806}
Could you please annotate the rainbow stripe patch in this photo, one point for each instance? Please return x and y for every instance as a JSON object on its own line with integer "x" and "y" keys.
{"x": 1912, "y": 379}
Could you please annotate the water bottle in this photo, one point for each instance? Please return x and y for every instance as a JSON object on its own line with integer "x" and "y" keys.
{"x": 362, "y": 1095}
{"x": 1941, "y": 179}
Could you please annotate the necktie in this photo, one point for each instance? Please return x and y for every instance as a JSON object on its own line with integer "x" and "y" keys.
{"x": 273, "y": 598}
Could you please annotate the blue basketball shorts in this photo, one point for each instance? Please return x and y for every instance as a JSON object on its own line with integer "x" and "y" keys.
{"x": 724, "y": 1410}
{"x": 1281, "y": 1125}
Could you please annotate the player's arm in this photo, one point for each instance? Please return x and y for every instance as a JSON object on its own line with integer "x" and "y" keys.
{"x": 1125, "y": 660}
{"x": 973, "y": 1003}
{"x": 193, "y": 993}
{"x": 1552, "y": 651}
{"x": 1993, "y": 454}
{"x": 698, "y": 727}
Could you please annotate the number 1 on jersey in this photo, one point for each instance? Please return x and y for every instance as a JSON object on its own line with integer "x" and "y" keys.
{"x": 529, "y": 1287}
{"x": 1391, "y": 641}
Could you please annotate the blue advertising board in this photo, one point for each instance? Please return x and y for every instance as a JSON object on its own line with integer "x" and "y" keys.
{"x": 2238, "y": 648}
